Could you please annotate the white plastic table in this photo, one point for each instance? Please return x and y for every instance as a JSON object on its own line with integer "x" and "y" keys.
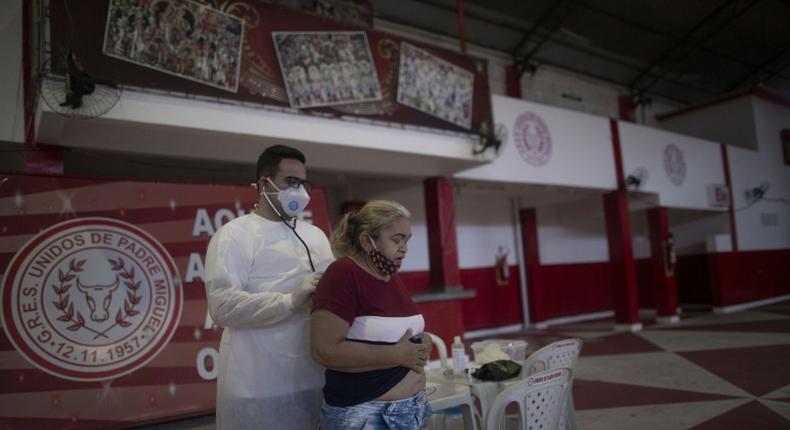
{"x": 484, "y": 391}
{"x": 442, "y": 395}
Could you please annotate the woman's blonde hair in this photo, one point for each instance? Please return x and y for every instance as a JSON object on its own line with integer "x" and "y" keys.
{"x": 370, "y": 219}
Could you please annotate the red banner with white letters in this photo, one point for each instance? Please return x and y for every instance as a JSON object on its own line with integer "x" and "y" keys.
{"x": 104, "y": 312}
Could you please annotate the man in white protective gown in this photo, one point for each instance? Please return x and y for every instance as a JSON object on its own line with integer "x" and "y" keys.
{"x": 261, "y": 271}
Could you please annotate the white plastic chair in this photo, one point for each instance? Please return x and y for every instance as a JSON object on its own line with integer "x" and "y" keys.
{"x": 541, "y": 398}
{"x": 441, "y": 349}
{"x": 450, "y": 395}
{"x": 561, "y": 354}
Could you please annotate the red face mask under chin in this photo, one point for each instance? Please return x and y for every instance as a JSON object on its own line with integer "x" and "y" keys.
{"x": 384, "y": 265}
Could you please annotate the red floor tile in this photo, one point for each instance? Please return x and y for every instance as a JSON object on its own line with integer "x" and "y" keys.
{"x": 758, "y": 370}
{"x": 598, "y": 395}
{"x": 753, "y": 416}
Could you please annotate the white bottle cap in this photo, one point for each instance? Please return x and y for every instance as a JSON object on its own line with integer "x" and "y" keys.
{"x": 457, "y": 339}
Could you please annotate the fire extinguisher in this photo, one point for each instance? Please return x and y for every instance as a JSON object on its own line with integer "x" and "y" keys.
{"x": 502, "y": 269}
{"x": 670, "y": 258}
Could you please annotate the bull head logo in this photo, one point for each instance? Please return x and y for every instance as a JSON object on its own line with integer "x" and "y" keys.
{"x": 99, "y": 298}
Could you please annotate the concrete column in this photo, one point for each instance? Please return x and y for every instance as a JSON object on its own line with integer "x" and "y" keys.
{"x": 621, "y": 261}
{"x": 442, "y": 243}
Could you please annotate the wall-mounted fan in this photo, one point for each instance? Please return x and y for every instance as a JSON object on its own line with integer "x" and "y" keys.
{"x": 636, "y": 179}
{"x": 78, "y": 95}
{"x": 491, "y": 140}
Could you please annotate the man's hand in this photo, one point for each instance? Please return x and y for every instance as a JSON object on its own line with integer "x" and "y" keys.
{"x": 305, "y": 290}
{"x": 411, "y": 355}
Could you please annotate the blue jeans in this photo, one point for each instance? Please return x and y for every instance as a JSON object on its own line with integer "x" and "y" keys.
{"x": 406, "y": 414}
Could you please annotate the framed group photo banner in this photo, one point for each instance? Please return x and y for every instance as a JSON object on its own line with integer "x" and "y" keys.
{"x": 178, "y": 37}
{"x": 434, "y": 86}
{"x": 266, "y": 54}
{"x": 326, "y": 68}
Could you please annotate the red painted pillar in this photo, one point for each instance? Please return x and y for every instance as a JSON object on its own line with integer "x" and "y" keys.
{"x": 621, "y": 252}
{"x": 621, "y": 260}
{"x": 459, "y": 9}
{"x": 512, "y": 82}
{"x": 662, "y": 269}
{"x": 318, "y": 210}
{"x": 626, "y": 108}
{"x": 529, "y": 238}
{"x": 442, "y": 244}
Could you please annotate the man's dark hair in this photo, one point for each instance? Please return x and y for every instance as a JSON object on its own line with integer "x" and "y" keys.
{"x": 270, "y": 158}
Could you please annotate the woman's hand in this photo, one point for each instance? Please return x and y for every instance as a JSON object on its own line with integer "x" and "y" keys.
{"x": 412, "y": 355}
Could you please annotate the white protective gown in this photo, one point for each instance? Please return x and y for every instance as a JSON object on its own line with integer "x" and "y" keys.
{"x": 266, "y": 377}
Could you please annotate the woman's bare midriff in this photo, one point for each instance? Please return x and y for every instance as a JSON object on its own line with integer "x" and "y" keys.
{"x": 410, "y": 385}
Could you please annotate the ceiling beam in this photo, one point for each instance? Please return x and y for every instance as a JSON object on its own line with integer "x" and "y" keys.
{"x": 761, "y": 73}
{"x": 542, "y": 61}
{"x": 535, "y": 26}
{"x": 615, "y": 82}
{"x": 565, "y": 10}
{"x": 707, "y": 27}
{"x": 643, "y": 26}
{"x": 470, "y": 13}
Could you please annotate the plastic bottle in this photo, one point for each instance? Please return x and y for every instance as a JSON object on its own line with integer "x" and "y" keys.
{"x": 459, "y": 357}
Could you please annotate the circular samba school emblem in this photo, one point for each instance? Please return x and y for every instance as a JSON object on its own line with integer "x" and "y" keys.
{"x": 674, "y": 164}
{"x": 91, "y": 299}
{"x": 532, "y": 139}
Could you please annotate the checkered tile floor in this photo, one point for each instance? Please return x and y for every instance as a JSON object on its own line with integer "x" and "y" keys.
{"x": 708, "y": 371}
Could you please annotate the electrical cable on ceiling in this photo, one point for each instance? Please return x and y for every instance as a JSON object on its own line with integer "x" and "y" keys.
{"x": 780, "y": 200}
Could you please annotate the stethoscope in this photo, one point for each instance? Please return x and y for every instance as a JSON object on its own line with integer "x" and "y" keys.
{"x": 292, "y": 227}
{"x": 306, "y": 248}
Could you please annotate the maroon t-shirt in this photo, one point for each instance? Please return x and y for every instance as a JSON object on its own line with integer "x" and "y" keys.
{"x": 377, "y": 312}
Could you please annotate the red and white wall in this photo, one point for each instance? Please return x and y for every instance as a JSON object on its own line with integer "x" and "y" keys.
{"x": 751, "y": 168}
{"x": 677, "y": 170}
{"x": 563, "y": 184}
{"x": 485, "y": 224}
{"x": 753, "y": 266}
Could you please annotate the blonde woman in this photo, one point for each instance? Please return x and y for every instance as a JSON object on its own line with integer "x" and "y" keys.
{"x": 366, "y": 330}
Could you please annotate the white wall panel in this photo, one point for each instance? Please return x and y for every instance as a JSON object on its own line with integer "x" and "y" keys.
{"x": 483, "y": 224}
{"x": 751, "y": 127}
{"x": 749, "y": 169}
{"x": 573, "y": 232}
{"x": 701, "y": 162}
{"x": 581, "y": 149}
